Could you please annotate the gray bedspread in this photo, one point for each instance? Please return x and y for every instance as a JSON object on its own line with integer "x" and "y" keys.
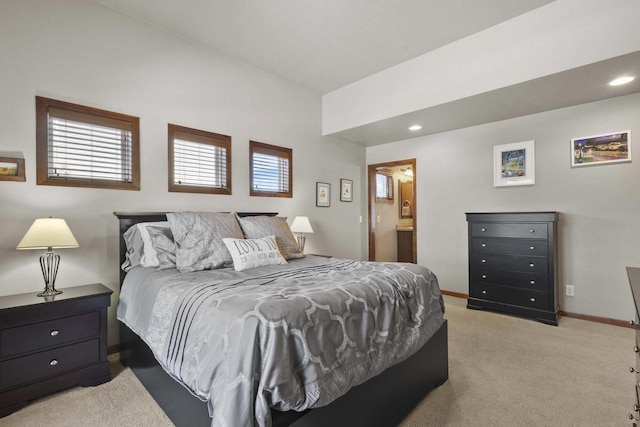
{"x": 288, "y": 337}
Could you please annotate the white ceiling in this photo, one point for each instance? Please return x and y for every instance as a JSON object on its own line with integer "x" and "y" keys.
{"x": 325, "y": 45}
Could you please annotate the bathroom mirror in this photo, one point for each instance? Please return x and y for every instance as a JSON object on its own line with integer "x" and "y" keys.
{"x": 405, "y": 199}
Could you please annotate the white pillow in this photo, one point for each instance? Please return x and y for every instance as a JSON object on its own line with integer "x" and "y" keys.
{"x": 252, "y": 253}
{"x": 149, "y": 255}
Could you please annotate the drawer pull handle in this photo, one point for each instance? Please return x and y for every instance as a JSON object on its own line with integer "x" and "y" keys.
{"x": 483, "y": 230}
{"x": 531, "y": 264}
{"x": 532, "y": 247}
{"x": 632, "y": 323}
{"x": 532, "y": 299}
{"x": 632, "y": 370}
{"x": 484, "y": 260}
{"x": 484, "y": 292}
{"x": 533, "y": 282}
{"x": 54, "y": 362}
{"x": 55, "y": 332}
{"x": 636, "y": 349}
{"x": 531, "y": 230}
{"x": 484, "y": 276}
{"x": 484, "y": 245}
{"x": 636, "y": 407}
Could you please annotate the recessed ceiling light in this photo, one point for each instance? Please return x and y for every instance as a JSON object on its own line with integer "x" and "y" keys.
{"x": 415, "y": 127}
{"x": 621, "y": 81}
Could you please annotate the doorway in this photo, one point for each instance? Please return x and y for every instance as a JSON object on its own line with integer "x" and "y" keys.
{"x": 392, "y": 211}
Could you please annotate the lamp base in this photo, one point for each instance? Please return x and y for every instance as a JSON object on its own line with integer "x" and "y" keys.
{"x": 301, "y": 241}
{"x": 49, "y": 263}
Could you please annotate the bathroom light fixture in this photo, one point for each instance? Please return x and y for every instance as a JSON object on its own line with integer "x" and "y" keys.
{"x": 621, "y": 81}
{"x": 415, "y": 127}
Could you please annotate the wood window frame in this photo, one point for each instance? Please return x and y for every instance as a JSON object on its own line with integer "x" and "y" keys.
{"x": 202, "y": 137}
{"x": 43, "y": 108}
{"x": 274, "y": 150}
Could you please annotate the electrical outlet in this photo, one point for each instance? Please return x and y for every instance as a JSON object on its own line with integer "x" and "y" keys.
{"x": 569, "y": 290}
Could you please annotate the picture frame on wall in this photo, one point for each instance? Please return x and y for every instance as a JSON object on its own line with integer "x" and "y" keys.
{"x": 514, "y": 164}
{"x": 346, "y": 190}
{"x": 323, "y": 194}
{"x": 12, "y": 169}
{"x": 614, "y": 147}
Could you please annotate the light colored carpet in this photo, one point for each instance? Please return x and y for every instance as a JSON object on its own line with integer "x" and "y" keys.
{"x": 503, "y": 371}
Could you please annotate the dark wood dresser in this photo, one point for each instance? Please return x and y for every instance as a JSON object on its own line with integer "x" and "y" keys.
{"x": 634, "y": 282}
{"x": 47, "y": 345}
{"x": 513, "y": 264}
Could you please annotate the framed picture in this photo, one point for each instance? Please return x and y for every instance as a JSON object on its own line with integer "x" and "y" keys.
{"x": 514, "y": 164}
{"x": 613, "y": 147}
{"x": 346, "y": 190}
{"x": 323, "y": 194}
{"x": 12, "y": 169}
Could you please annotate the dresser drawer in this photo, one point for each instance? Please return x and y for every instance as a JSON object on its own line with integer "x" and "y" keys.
{"x": 511, "y": 246}
{"x": 510, "y": 263}
{"x": 42, "y": 335}
{"x": 533, "y": 282}
{"x": 48, "y": 363}
{"x": 521, "y": 230}
{"x": 513, "y": 296}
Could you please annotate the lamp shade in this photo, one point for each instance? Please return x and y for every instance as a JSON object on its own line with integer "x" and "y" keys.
{"x": 301, "y": 224}
{"x": 47, "y": 233}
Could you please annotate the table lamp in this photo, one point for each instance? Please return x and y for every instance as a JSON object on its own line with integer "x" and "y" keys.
{"x": 300, "y": 225}
{"x": 48, "y": 233}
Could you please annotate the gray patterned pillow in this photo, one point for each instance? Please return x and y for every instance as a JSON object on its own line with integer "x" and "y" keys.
{"x": 255, "y": 227}
{"x": 198, "y": 237}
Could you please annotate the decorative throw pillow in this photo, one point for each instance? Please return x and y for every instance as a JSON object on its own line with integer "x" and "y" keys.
{"x": 135, "y": 248}
{"x": 252, "y": 253}
{"x": 255, "y": 227}
{"x": 164, "y": 246}
{"x": 149, "y": 256}
{"x": 198, "y": 237}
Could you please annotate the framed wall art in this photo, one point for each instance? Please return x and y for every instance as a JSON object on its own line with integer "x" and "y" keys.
{"x": 594, "y": 150}
{"x": 514, "y": 164}
{"x": 346, "y": 190}
{"x": 323, "y": 194}
{"x": 12, "y": 169}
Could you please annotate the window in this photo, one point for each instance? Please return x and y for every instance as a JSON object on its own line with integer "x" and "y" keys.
{"x": 271, "y": 168}
{"x": 199, "y": 161}
{"x": 81, "y": 146}
{"x": 384, "y": 185}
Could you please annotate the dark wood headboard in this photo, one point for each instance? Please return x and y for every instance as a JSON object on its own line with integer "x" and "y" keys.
{"x": 127, "y": 219}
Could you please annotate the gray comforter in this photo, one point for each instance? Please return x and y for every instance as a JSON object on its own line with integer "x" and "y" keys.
{"x": 287, "y": 337}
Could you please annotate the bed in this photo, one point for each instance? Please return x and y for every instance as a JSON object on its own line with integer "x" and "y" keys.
{"x": 382, "y": 400}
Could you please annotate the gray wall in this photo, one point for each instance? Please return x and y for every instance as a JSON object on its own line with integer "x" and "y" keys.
{"x": 81, "y": 52}
{"x": 599, "y": 205}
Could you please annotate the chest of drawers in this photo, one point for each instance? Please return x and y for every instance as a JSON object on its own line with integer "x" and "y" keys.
{"x": 513, "y": 264}
{"x": 634, "y": 282}
{"x": 47, "y": 345}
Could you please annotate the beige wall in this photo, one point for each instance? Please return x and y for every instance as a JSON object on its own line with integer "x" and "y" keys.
{"x": 599, "y": 205}
{"x": 81, "y": 52}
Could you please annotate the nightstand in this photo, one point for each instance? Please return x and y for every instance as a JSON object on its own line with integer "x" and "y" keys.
{"x": 47, "y": 346}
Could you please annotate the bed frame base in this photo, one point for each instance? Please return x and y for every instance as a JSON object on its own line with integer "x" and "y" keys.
{"x": 382, "y": 401}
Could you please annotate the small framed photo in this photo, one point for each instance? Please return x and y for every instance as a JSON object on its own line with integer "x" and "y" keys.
{"x": 514, "y": 164}
{"x": 323, "y": 194}
{"x": 346, "y": 190}
{"x": 12, "y": 169}
{"x": 613, "y": 147}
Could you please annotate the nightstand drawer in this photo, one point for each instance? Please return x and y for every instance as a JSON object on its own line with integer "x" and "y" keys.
{"x": 511, "y": 263}
{"x": 48, "y": 363}
{"x": 519, "y": 297}
{"x": 522, "y": 230}
{"x": 46, "y": 334}
{"x": 525, "y": 247}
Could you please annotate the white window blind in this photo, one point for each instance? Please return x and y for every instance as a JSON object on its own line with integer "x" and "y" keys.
{"x": 270, "y": 170}
{"x": 384, "y": 187}
{"x": 198, "y": 164}
{"x": 86, "y": 151}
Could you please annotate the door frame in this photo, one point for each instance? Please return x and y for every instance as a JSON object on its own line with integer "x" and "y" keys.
{"x": 371, "y": 204}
